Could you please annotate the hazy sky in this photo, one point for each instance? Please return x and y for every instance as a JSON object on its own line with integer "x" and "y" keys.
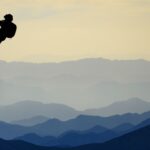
{"x": 57, "y": 30}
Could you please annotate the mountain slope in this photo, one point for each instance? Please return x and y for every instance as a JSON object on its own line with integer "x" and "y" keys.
{"x": 123, "y": 128}
{"x": 136, "y": 140}
{"x": 31, "y": 121}
{"x": 28, "y": 109}
{"x": 97, "y": 134}
{"x": 38, "y": 140}
{"x": 132, "y": 105}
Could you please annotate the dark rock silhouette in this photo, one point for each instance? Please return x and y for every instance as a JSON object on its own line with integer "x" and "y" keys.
{"x": 8, "y": 28}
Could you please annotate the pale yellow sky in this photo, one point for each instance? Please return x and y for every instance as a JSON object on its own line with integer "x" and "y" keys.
{"x": 58, "y": 30}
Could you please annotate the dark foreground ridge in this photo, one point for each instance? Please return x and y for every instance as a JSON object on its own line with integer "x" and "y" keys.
{"x": 137, "y": 140}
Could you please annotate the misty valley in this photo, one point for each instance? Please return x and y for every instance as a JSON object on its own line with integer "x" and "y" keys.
{"x": 89, "y": 104}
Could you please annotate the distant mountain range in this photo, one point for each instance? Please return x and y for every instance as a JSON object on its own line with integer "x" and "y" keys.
{"x": 27, "y": 112}
{"x": 108, "y": 105}
{"x": 86, "y": 83}
{"x": 55, "y": 127}
{"x": 136, "y": 140}
{"x": 70, "y": 139}
{"x": 97, "y": 134}
{"x": 133, "y": 105}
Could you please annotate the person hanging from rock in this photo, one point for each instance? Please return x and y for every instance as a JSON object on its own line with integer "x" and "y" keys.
{"x": 7, "y": 28}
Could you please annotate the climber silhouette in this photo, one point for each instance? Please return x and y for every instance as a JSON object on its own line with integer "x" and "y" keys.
{"x": 7, "y": 28}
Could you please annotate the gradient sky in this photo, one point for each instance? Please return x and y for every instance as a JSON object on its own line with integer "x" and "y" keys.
{"x": 58, "y": 30}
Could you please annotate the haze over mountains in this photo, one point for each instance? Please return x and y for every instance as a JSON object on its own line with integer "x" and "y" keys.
{"x": 29, "y": 113}
{"x": 75, "y": 103}
{"x": 30, "y": 109}
{"x": 86, "y": 83}
{"x": 133, "y": 105}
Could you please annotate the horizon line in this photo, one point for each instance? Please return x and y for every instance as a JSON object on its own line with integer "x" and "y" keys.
{"x": 75, "y": 60}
